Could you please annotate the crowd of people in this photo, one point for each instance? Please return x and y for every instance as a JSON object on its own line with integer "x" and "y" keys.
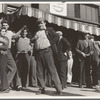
{"x": 45, "y": 59}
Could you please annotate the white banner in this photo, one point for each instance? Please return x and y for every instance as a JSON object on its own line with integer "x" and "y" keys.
{"x": 58, "y": 8}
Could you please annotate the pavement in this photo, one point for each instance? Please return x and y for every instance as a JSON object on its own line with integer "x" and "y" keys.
{"x": 72, "y": 91}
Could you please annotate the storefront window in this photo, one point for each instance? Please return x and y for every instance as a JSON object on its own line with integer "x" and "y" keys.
{"x": 35, "y": 6}
{"x": 89, "y": 13}
{"x": 77, "y": 10}
{"x": 70, "y": 10}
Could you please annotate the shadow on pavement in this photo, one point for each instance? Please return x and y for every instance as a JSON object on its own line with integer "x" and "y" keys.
{"x": 28, "y": 90}
{"x": 53, "y": 93}
{"x": 91, "y": 90}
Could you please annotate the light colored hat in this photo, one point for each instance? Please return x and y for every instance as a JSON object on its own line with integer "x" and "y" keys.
{"x": 59, "y": 33}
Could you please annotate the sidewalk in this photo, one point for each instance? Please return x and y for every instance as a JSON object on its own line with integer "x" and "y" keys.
{"x": 70, "y": 92}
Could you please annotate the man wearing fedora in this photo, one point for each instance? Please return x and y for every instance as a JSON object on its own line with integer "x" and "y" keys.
{"x": 43, "y": 41}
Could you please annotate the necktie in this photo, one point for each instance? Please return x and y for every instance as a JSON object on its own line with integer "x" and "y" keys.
{"x": 86, "y": 43}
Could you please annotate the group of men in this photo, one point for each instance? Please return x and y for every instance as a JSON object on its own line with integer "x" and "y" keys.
{"x": 48, "y": 47}
{"x": 89, "y": 61}
{"x": 47, "y": 50}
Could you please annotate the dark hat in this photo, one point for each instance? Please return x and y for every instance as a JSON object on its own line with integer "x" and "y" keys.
{"x": 40, "y": 20}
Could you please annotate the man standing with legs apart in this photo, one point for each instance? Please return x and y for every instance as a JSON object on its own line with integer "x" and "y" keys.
{"x": 10, "y": 63}
{"x": 44, "y": 58}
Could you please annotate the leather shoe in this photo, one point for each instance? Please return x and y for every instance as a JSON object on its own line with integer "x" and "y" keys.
{"x": 18, "y": 88}
{"x": 80, "y": 86}
{"x": 59, "y": 93}
{"x": 40, "y": 91}
{"x": 6, "y": 91}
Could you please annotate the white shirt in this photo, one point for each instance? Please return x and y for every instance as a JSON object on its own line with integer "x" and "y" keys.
{"x": 42, "y": 41}
{"x": 9, "y": 35}
{"x": 23, "y": 45}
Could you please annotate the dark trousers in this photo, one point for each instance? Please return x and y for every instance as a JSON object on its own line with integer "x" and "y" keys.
{"x": 45, "y": 60}
{"x": 33, "y": 77}
{"x": 95, "y": 68}
{"x": 63, "y": 72}
{"x": 11, "y": 66}
{"x": 3, "y": 72}
{"x": 85, "y": 72}
{"x": 48, "y": 80}
{"x": 81, "y": 72}
{"x": 22, "y": 62}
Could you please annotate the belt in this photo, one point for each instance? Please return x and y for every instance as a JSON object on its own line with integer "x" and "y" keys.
{"x": 48, "y": 48}
{"x": 22, "y": 52}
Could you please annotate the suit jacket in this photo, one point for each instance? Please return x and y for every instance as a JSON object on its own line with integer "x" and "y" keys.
{"x": 96, "y": 51}
{"x": 62, "y": 46}
{"x": 53, "y": 38}
{"x": 81, "y": 48}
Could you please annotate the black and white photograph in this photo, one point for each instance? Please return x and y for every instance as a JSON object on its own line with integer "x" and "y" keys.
{"x": 49, "y": 50}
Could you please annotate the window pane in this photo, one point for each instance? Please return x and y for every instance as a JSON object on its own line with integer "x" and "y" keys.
{"x": 93, "y": 14}
{"x": 83, "y": 12}
{"x": 96, "y": 13}
{"x": 88, "y": 13}
{"x": 77, "y": 10}
{"x": 70, "y": 10}
{"x": 35, "y": 5}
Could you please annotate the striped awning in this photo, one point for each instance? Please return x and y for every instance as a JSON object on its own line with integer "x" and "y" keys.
{"x": 3, "y": 8}
{"x": 76, "y": 25}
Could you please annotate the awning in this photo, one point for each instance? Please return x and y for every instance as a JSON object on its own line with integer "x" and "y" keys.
{"x": 76, "y": 25}
{"x": 3, "y": 8}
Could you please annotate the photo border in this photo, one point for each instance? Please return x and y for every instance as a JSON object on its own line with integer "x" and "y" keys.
{"x": 37, "y": 1}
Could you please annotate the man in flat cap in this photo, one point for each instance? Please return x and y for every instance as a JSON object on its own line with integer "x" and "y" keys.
{"x": 43, "y": 41}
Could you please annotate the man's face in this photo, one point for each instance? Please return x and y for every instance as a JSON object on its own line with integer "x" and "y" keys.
{"x": 5, "y": 25}
{"x": 3, "y": 31}
{"x": 41, "y": 25}
{"x": 87, "y": 37}
{"x": 69, "y": 53}
{"x": 24, "y": 33}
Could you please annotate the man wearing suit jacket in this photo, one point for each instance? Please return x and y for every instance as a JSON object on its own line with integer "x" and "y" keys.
{"x": 53, "y": 38}
{"x": 95, "y": 61}
{"x": 84, "y": 50}
{"x": 63, "y": 46}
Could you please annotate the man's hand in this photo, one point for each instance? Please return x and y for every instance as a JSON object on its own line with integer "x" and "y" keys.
{"x": 91, "y": 52}
{"x": 83, "y": 54}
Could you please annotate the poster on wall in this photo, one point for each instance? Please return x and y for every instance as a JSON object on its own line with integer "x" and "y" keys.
{"x": 58, "y": 8}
